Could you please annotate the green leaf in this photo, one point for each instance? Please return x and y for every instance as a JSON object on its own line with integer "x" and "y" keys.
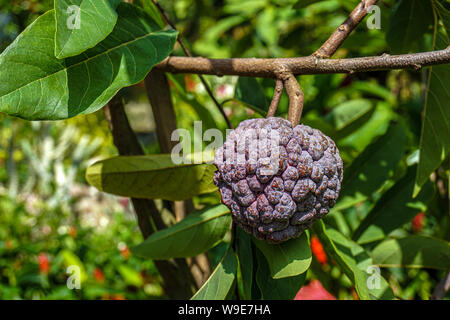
{"x": 395, "y": 208}
{"x": 408, "y": 23}
{"x": 35, "y": 85}
{"x": 151, "y": 177}
{"x": 354, "y": 253}
{"x": 348, "y": 265}
{"x": 372, "y": 167}
{"x": 221, "y": 280}
{"x": 287, "y": 259}
{"x": 434, "y": 139}
{"x": 347, "y": 112}
{"x": 130, "y": 276}
{"x": 251, "y": 93}
{"x": 245, "y": 257}
{"x": 413, "y": 252}
{"x": 197, "y": 233}
{"x": 81, "y": 25}
{"x": 375, "y": 126}
{"x": 304, "y": 3}
{"x": 276, "y": 289}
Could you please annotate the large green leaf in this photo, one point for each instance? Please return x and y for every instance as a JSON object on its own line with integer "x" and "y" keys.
{"x": 287, "y": 259}
{"x": 197, "y": 233}
{"x": 221, "y": 280}
{"x": 344, "y": 260}
{"x": 35, "y": 85}
{"x": 395, "y": 208}
{"x": 375, "y": 126}
{"x": 82, "y": 24}
{"x": 152, "y": 177}
{"x": 413, "y": 252}
{"x": 434, "y": 140}
{"x": 347, "y": 112}
{"x": 372, "y": 167}
{"x": 251, "y": 93}
{"x": 408, "y": 23}
{"x": 304, "y": 3}
{"x": 245, "y": 257}
{"x": 276, "y": 289}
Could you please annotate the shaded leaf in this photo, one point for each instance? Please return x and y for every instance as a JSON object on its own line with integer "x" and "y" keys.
{"x": 347, "y": 112}
{"x": 81, "y": 25}
{"x": 151, "y": 177}
{"x": 287, "y": 259}
{"x": 35, "y": 85}
{"x": 221, "y": 280}
{"x": 413, "y": 252}
{"x": 408, "y": 23}
{"x": 304, "y": 3}
{"x": 434, "y": 139}
{"x": 245, "y": 257}
{"x": 372, "y": 167}
{"x": 351, "y": 251}
{"x": 251, "y": 93}
{"x": 276, "y": 289}
{"x": 197, "y": 233}
{"x": 347, "y": 264}
{"x": 395, "y": 208}
{"x": 375, "y": 126}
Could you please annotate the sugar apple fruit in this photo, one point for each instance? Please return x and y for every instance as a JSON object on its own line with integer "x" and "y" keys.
{"x": 277, "y": 180}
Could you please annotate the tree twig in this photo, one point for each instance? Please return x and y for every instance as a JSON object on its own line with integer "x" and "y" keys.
{"x": 276, "y": 98}
{"x": 442, "y": 287}
{"x": 269, "y": 68}
{"x": 330, "y": 46}
{"x": 178, "y": 281}
{"x": 189, "y": 54}
{"x": 295, "y": 94}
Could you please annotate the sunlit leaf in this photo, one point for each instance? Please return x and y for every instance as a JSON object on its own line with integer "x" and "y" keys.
{"x": 197, "y": 233}
{"x": 287, "y": 259}
{"x": 221, "y": 280}
{"x": 152, "y": 177}
{"x": 35, "y": 85}
{"x": 81, "y": 25}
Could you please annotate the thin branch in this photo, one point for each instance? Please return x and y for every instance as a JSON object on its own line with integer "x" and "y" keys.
{"x": 189, "y": 54}
{"x": 178, "y": 281}
{"x": 330, "y": 46}
{"x": 269, "y": 68}
{"x": 441, "y": 289}
{"x": 276, "y": 98}
{"x": 295, "y": 94}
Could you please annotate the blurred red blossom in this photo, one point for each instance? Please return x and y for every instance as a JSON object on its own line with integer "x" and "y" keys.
{"x": 418, "y": 222}
{"x": 314, "y": 291}
{"x": 318, "y": 251}
{"x": 44, "y": 263}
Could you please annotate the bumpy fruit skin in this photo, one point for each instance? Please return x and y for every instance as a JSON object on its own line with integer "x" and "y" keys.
{"x": 277, "y": 205}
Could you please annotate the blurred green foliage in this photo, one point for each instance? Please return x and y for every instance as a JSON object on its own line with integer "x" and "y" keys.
{"x": 356, "y": 110}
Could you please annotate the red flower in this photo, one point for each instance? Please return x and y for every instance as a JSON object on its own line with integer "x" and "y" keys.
{"x": 418, "y": 222}
{"x": 98, "y": 275}
{"x": 44, "y": 263}
{"x": 314, "y": 291}
{"x": 318, "y": 251}
{"x": 73, "y": 232}
{"x": 125, "y": 252}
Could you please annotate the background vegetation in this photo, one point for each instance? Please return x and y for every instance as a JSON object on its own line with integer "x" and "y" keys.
{"x": 50, "y": 218}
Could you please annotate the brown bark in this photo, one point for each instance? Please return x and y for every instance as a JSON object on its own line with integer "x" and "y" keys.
{"x": 159, "y": 94}
{"x": 178, "y": 281}
{"x": 269, "y": 68}
{"x": 330, "y": 46}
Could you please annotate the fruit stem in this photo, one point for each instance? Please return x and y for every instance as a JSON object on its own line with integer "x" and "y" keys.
{"x": 276, "y": 98}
